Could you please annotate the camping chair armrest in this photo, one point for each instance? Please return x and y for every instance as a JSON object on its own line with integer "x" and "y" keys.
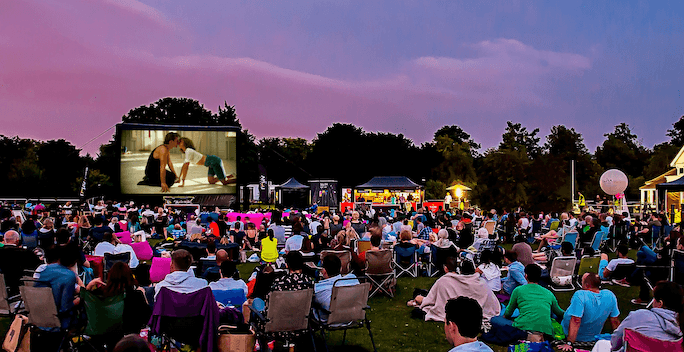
{"x": 367, "y": 307}
{"x": 15, "y": 298}
{"x": 652, "y": 267}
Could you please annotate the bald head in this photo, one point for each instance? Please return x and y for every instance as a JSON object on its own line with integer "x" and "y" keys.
{"x": 221, "y": 256}
{"x": 11, "y": 237}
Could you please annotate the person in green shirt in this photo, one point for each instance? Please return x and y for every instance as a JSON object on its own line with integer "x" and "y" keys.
{"x": 535, "y": 304}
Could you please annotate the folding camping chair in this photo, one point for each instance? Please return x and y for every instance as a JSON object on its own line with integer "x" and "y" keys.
{"x": 363, "y": 246}
{"x": 637, "y": 342}
{"x": 42, "y": 312}
{"x": 345, "y": 258}
{"x": 111, "y": 259}
{"x": 562, "y": 273}
{"x": 348, "y": 305}
{"x": 104, "y": 320}
{"x": 380, "y": 272}
{"x": 406, "y": 259}
{"x": 587, "y": 265}
{"x": 570, "y": 237}
{"x": 6, "y": 302}
{"x": 597, "y": 240}
{"x": 235, "y": 297}
{"x": 287, "y": 311}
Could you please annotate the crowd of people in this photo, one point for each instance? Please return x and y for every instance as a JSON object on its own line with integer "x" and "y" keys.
{"x": 58, "y": 248}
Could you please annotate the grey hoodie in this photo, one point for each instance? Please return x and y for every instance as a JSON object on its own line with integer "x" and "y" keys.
{"x": 657, "y": 323}
{"x": 181, "y": 281}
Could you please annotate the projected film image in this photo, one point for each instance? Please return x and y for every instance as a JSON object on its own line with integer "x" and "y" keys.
{"x": 178, "y": 161}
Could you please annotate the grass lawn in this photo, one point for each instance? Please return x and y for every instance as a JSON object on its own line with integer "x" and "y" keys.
{"x": 394, "y": 330}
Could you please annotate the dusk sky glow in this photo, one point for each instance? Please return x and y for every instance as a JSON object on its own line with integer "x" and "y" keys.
{"x": 71, "y": 68}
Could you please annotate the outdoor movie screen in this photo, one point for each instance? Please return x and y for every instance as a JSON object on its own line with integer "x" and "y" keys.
{"x": 177, "y": 160}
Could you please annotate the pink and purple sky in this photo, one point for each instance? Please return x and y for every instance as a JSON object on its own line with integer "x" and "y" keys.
{"x": 71, "y": 68}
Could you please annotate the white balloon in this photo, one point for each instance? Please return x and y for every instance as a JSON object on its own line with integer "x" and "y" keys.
{"x": 613, "y": 182}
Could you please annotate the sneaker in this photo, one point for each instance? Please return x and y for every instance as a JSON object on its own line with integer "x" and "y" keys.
{"x": 622, "y": 282}
{"x": 639, "y": 302}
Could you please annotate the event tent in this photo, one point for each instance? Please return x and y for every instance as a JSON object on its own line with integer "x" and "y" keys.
{"x": 390, "y": 182}
{"x": 293, "y": 193}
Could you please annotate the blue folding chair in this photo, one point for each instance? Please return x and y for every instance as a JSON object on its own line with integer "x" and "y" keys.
{"x": 598, "y": 239}
{"x": 571, "y": 237}
{"x": 406, "y": 259}
{"x": 233, "y": 298}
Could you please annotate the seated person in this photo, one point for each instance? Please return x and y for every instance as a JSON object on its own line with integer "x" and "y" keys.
{"x": 323, "y": 289}
{"x": 63, "y": 282}
{"x": 516, "y": 273}
{"x": 14, "y": 260}
{"x": 111, "y": 244}
{"x": 227, "y": 281}
{"x": 662, "y": 322}
{"x": 213, "y": 273}
{"x": 589, "y": 309}
{"x": 466, "y": 284}
{"x": 120, "y": 280}
{"x": 294, "y": 280}
{"x": 535, "y": 304}
{"x": 523, "y": 250}
{"x": 463, "y": 315}
{"x": 489, "y": 272}
{"x": 182, "y": 278}
{"x": 108, "y": 244}
{"x": 607, "y": 268}
{"x": 375, "y": 241}
{"x": 294, "y": 243}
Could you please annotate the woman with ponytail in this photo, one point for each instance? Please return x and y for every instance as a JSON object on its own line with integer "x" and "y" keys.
{"x": 269, "y": 248}
{"x": 662, "y": 322}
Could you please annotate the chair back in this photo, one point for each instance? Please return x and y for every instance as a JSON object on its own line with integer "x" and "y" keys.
{"x": 554, "y": 225}
{"x": 637, "y": 342}
{"x": 588, "y": 265}
{"x": 142, "y": 250}
{"x": 405, "y": 253}
{"x": 159, "y": 269}
{"x": 379, "y": 262}
{"x": 596, "y": 242}
{"x": 363, "y": 246}
{"x": 4, "y": 303}
{"x": 41, "y": 306}
{"x": 348, "y": 303}
{"x": 30, "y": 240}
{"x": 234, "y": 297}
{"x": 104, "y": 315}
{"x": 345, "y": 258}
{"x": 571, "y": 237}
{"x": 289, "y": 310}
{"x": 111, "y": 259}
{"x": 563, "y": 266}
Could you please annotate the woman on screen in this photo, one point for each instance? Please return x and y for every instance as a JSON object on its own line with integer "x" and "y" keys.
{"x": 217, "y": 171}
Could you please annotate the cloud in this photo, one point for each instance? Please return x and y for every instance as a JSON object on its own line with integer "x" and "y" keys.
{"x": 75, "y": 83}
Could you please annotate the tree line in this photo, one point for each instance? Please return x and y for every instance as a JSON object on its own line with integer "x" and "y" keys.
{"x": 526, "y": 169}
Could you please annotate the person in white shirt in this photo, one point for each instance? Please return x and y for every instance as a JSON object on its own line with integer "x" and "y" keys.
{"x": 489, "y": 272}
{"x": 110, "y": 244}
{"x": 217, "y": 171}
{"x": 227, "y": 282}
{"x": 182, "y": 278}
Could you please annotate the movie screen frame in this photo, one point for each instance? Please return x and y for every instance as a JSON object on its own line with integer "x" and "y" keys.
{"x": 218, "y": 146}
